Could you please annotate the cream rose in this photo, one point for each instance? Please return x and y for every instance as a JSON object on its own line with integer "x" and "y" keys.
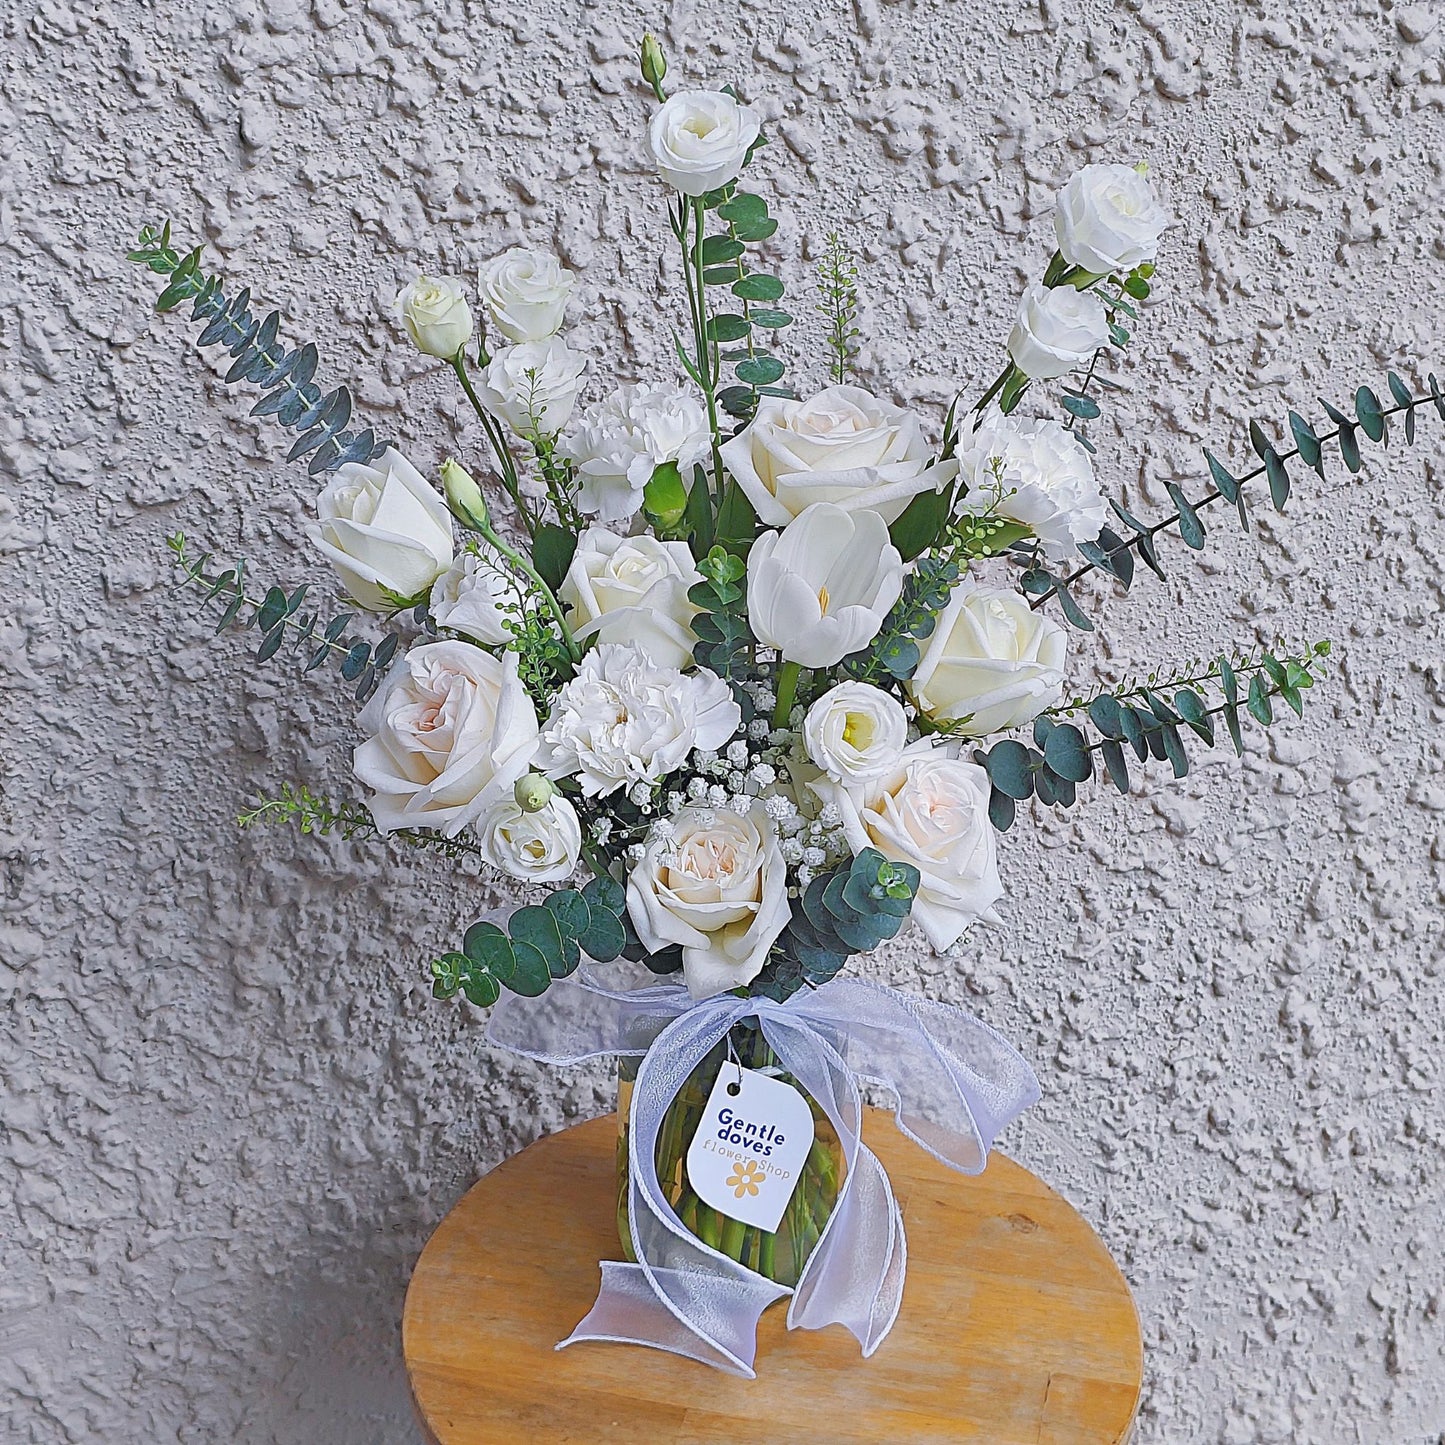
{"x": 821, "y": 587}
{"x": 542, "y": 846}
{"x": 469, "y": 596}
{"x": 855, "y": 733}
{"x": 1035, "y": 472}
{"x": 384, "y": 529}
{"x": 991, "y": 663}
{"x": 533, "y": 386}
{"x": 1107, "y": 219}
{"x": 1058, "y": 329}
{"x": 436, "y": 315}
{"x": 623, "y": 719}
{"x": 450, "y": 732}
{"x": 525, "y": 294}
{"x": 700, "y": 140}
{"x": 843, "y": 446}
{"x": 633, "y": 589}
{"x": 931, "y": 811}
{"x": 718, "y": 887}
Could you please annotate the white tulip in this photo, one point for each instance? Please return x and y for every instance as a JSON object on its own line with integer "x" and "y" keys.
{"x": 623, "y": 719}
{"x": 931, "y": 812}
{"x": 700, "y": 139}
{"x": 633, "y": 589}
{"x": 450, "y": 732}
{"x": 525, "y": 294}
{"x": 533, "y": 386}
{"x": 991, "y": 663}
{"x": 717, "y": 886}
{"x": 1035, "y": 472}
{"x": 617, "y": 444}
{"x": 820, "y": 589}
{"x": 472, "y": 596}
{"x": 855, "y": 733}
{"x": 385, "y": 530}
{"x": 541, "y": 846}
{"x": 1107, "y": 219}
{"x": 1058, "y": 329}
{"x": 436, "y": 315}
{"x": 843, "y": 446}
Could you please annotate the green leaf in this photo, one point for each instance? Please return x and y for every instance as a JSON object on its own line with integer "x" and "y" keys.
{"x": 1137, "y": 287}
{"x": 1231, "y": 721}
{"x": 1191, "y": 529}
{"x": 1278, "y": 479}
{"x": 736, "y": 524}
{"x": 1067, "y": 753}
{"x": 271, "y": 643}
{"x": 1258, "y": 703}
{"x": 1083, "y": 407}
{"x": 1372, "y": 419}
{"x": 271, "y": 610}
{"x": 755, "y": 230}
{"x": 1258, "y": 440}
{"x": 1001, "y": 810}
{"x": 1009, "y": 769}
{"x": 727, "y": 326}
{"x": 1399, "y": 390}
{"x": 355, "y": 661}
{"x": 570, "y": 910}
{"x": 1190, "y": 706}
{"x": 769, "y": 319}
{"x": 604, "y": 891}
{"x": 480, "y": 989}
{"x": 720, "y": 276}
{"x": 490, "y": 949}
{"x": 1229, "y": 680}
{"x": 1104, "y": 713}
{"x": 538, "y": 927}
{"x": 532, "y": 973}
{"x": 1350, "y": 449}
{"x": 1174, "y": 750}
{"x": 1071, "y": 609}
{"x": 605, "y": 937}
{"x": 717, "y": 249}
{"x": 1307, "y": 443}
{"x": 916, "y": 530}
{"x": 760, "y": 370}
{"x": 1224, "y": 483}
{"x": 744, "y": 209}
{"x": 758, "y": 287}
{"x": 552, "y": 550}
{"x": 1118, "y": 769}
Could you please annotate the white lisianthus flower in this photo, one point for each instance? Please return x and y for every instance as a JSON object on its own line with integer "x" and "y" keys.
{"x": 855, "y": 733}
{"x": 1045, "y": 475}
{"x": 623, "y": 720}
{"x": 617, "y": 444}
{"x": 436, "y": 315}
{"x": 633, "y": 589}
{"x": 525, "y": 294}
{"x": 533, "y": 386}
{"x": 843, "y": 445}
{"x": 991, "y": 663}
{"x": 451, "y": 730}
{"x": 1058, "y": 328}
{"x": 385, "y": 530}
{"x": 820, "y": 589}
{"x": 1107, "y": 219}
{"x": 700, "y": 140}
{"x": 542, "y": 846}
{"x": 469, "y": 597}
{"x": 931, "y": 811}
{"x": 719, "y": 888}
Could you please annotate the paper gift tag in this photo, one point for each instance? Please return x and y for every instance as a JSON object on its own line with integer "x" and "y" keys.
{"x": 747, "y": 1155}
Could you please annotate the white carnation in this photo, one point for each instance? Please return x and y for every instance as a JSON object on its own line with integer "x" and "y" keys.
{"x": 617, "y": 444}
{"x": 624, "y": 720}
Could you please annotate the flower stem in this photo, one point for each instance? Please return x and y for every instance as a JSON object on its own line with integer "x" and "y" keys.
{"x": 787, "y": 691}
{"x": 523, "y": 565}
{"x": 498, "y": 443}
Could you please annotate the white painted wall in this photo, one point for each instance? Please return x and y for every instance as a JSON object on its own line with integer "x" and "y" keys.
{"x": 232, "y": 1113}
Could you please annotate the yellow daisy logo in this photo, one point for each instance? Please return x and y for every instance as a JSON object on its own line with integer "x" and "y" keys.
{"x": 744, "y": 1179}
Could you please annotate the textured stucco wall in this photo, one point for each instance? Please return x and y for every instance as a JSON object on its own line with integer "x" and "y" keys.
{"x": 231, "y": 1111}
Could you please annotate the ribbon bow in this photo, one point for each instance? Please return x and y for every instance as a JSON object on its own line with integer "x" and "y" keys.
{"x": 955, "y": 1084}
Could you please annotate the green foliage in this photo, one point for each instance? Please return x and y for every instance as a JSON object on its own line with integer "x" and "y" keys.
{"x": 540, "y": 943}
{"x": 838, "y": 303}
{"x": 319, "y": 817}
{"x": 850, "y": 909}
{"x": 1152, "y": 719}
{"x": 723, "y": 639}
{"x": 282, "y": 617}
{"x": 292, "y": 398}
{"x": 1111, "y": 552}
{"x": 895, "y": 652}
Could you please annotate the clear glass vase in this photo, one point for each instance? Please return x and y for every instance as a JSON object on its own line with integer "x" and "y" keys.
{"x": 781, "y": 1255}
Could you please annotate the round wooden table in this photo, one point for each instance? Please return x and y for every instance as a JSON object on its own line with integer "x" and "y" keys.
{"x": 1016, "y": 1324}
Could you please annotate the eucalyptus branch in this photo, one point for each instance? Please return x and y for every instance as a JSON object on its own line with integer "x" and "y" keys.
{"x": 317, "y": 816}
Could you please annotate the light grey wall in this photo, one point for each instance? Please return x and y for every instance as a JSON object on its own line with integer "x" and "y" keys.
{"x": 232, "y": 1113}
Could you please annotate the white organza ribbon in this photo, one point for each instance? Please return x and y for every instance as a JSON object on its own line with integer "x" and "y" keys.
{"x": 955, "y": 1084}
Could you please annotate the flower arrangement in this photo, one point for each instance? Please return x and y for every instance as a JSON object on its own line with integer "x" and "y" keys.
{"x": 773, "y": 664}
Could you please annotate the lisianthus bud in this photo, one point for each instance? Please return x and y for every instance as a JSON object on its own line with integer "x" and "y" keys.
{"x": 464, "y": 496}
{"x": 533, "y": 792}
{"x": 654, "y": 65}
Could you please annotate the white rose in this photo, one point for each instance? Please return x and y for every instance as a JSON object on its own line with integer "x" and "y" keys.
{"x": 991, "y": 660}
{"x": 436, "y": 315}
{"x": 538, "y": 847}
{"x": 700, "y": 139}
{"x": 469, "y": 596}
{"x": 1045, "y": 474}
{"x": 533, "y": 386}
{"x": 820, "y": 589}
{"x": 451, "y": 730}
{"x": 385, "y": 530}
{"x": 633, "y": 589}
{"x": 931, "y": 811}
{"x": 1058, "y": 328}
{"x": 719, "y": 888}
{"x": 617, "y": 444}
{"x": 855, "y": 732}
{"x": 1107, "y": 219}
{"x": 843, "y": 446}
{"x": 525, "y": 293}
{"x": 624, "y": 720}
